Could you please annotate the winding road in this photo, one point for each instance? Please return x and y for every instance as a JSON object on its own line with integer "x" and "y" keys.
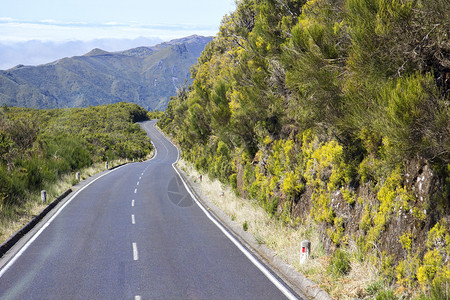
{"x": 134, "y": 232}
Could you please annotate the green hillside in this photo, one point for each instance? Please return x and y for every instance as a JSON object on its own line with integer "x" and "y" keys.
{"x": 147, "y": 76}
{"x": 334, "y": 113}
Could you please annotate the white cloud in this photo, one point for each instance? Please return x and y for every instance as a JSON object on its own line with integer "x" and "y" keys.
{"x": 51, "y": 30}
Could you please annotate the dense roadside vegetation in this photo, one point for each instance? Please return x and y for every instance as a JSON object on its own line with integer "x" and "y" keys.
{"x": 335, "y": 112}
{"x": 37, "y": 147}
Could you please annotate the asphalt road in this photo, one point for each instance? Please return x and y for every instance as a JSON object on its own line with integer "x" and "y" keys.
{"x": 134, "y": 233}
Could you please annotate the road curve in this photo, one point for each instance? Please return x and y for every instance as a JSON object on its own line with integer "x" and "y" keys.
{"x": 134, "y": 233}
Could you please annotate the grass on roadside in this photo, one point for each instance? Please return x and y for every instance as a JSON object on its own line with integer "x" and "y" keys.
{"x": 362, "y": 279}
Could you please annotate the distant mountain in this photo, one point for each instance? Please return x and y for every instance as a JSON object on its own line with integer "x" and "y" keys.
{"x": 147, "y": 76}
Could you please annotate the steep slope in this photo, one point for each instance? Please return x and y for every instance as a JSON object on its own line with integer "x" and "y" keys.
{"x": 147, "y": 76}
{"x": 333, "y": 115}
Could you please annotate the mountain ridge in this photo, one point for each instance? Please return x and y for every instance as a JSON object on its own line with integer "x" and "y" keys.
{"x": 147, "y": 76}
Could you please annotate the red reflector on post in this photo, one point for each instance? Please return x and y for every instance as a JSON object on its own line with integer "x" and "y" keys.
{"x": 305, "y": 250}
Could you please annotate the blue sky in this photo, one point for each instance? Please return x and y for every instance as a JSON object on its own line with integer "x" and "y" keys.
{"x": 115, "y": 24}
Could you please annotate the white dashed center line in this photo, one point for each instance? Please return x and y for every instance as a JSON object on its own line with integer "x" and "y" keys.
{"x": 137, "y": 183}
{"x": 135, "y": 191}
{"x": 135, "y": 252}
{"x": 137, "y": 297}
{"x": 133, "y": 221}
{"x": 132, "y": 203}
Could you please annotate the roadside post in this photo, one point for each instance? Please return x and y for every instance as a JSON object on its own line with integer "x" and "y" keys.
{"x": 44, "y": 196}
{"x": 77, "y": 176}
{"x": 305, "y": 251}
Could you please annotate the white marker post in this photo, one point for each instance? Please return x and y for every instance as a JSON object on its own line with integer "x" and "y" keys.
{"x": 44, "y": 196}
{"x": 305, "y": 250}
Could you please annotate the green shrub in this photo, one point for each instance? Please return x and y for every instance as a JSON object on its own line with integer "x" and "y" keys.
{"x": 386, "y": 295}
{"x": 348, "y": 195}
{"x": 414, "y": 117}
{"x": 340, "y": 263}
{"x": 245, "y": 226}
{"x": 272, "y": 206}
{"x": 440, "y": 289}
{"x": 374, "y": 288}
{"x": 233, "y": 181}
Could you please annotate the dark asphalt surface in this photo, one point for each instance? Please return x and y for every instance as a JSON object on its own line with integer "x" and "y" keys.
{"x": 135, "y": 233}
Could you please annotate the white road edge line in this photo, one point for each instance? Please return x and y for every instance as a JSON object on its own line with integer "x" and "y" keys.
{"x": 37, "y": 234}
{"x": 259, "y": 265}
{"x": 156, "y": 152}
{"x": 135, "y": 252}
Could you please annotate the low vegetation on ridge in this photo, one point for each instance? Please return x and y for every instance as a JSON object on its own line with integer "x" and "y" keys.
{"x": 38, "y": 147}
{"x": 335, "y": 112}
